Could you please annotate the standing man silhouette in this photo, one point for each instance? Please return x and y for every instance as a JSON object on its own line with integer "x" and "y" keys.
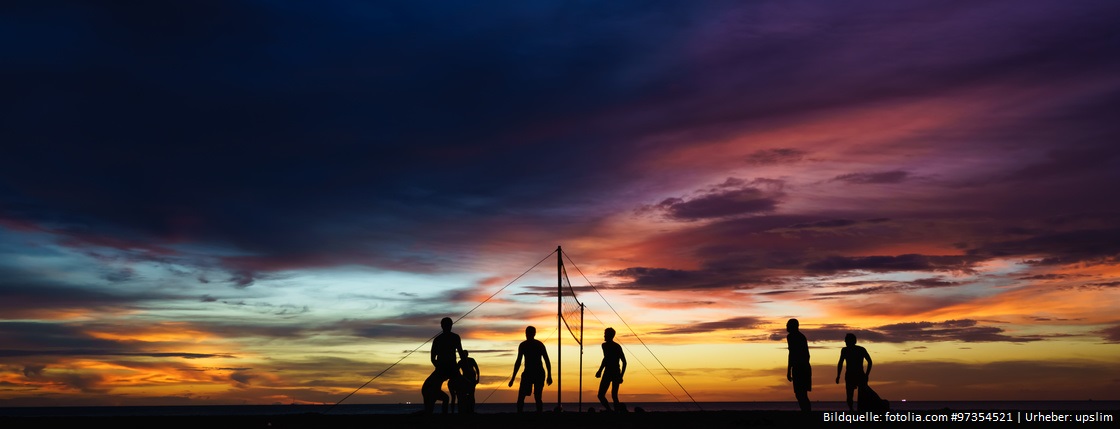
{"x": 855, "y": 377}
{"x": 610, "y": 370}
{"x": 445, "y": 347}
{"x": 798, "y": 369}
{"x": 532, "y": 380}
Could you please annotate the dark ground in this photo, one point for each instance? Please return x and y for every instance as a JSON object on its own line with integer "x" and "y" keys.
{"x": 647, "y": 420}
{"x": 548, "y": 420}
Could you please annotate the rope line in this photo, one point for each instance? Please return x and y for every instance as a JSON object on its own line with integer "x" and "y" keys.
{"x": 436, "y": 335}
{"x": 500, "y": 385}
{"x": 632, "y": 331}
{"x": 642, "y": 364}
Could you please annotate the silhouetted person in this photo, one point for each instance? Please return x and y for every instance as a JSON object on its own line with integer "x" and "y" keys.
{"x": 798, "y": 369}
{"x": 610, "y": 370}
{"x": 432, "y": 390}
{"x": 444, "y": 349}
{"x": 856, "y": 377}
{"x": 470, "y": 378}
{"x": 532, "y": 380}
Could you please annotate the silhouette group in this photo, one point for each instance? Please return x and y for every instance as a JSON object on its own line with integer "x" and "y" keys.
{"x": 462, "y": 375}
{"x": 445, "y": 347}
{"x": 800, "y": 373}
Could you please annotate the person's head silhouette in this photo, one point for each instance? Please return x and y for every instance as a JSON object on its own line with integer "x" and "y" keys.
{"x": 463, "y": 354}
{"x": 608, "y": 334}
{"x": 530, "y": 332}
{"x": 850, "y": 339}
{"x": 445, "y": 324}
{"x": 792, "y": 325}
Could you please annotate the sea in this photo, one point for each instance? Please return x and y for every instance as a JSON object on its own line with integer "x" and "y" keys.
{"x": 410, "y": 408}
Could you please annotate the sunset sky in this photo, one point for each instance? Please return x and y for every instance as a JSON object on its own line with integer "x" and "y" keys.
{"x": 258, "y": 202}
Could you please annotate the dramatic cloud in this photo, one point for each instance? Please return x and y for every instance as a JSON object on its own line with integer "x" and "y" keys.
{"x": 1111, "y": 334}
{"x": 776, "y": 156}
{"x": 671, "y": 279}
{"x": 1097, "y": 245}
{"x": 722, "y": 325}
{"x": 950, "y": 330}
{"x": 910, "y": 262}
{"x": 734, "y": 202}
{"x": 260, "y": 200}
{"x": 873, "y": 178}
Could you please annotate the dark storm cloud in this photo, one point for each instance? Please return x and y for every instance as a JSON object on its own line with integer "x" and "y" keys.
{"x": 1063, "y": 247}
{"x": 1066, "y": 162}
{"x": 415, "y": 325}
{"x": 109, "y": 353}
{"x": 776, "y": 156}
{"x": 832, "y": 223}
{"x": 1111, "y": 333}
{"x": 550, "y": 291}
{"x": 1105, "y": 285}
{"x": 345, "y": 132}
{"x": 35, "y": 339}
{"x": 934, "y": 282}
{"x": 966, "y": 330}
{"x": 348, "y": 138}
{"x": 889, "y": 287}
{"x": 862, "y": 291}
{"x": 17, "y": 298}
{"x": 835, "y": 223}
{"x": 896, "y": 176}
{"x": 958, "y": 330}
{"x": 27, "y": 335}
{"x": 646, "y": 278}
{"x": 777, "y": 249}
{"x": 1050, "y": 276}
{"x": 909, "y": 262}
{"x": 27, "y": 294}
{"x": 734, "y": 202}
{"x": 721, "y": 325}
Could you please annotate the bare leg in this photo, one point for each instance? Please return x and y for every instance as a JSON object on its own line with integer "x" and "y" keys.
{"x": 614, "y": 395}
{"x": 603, "y": 394}
{"x": 803, "y": 400}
